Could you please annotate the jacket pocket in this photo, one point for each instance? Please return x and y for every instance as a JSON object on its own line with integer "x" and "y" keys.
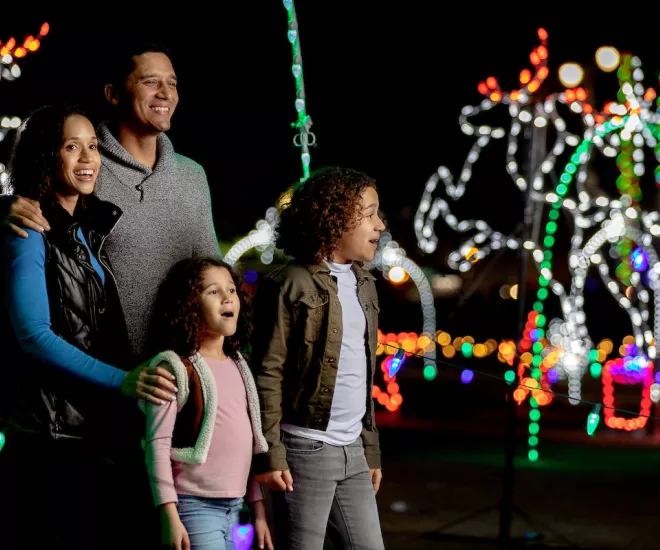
{"x": 312, "y": 310}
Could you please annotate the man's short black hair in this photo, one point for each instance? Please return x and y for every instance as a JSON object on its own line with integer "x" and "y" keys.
{"x": 121, "y": 62}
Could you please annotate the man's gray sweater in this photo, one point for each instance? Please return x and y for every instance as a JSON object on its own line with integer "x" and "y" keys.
{"x": 166, "y": 218}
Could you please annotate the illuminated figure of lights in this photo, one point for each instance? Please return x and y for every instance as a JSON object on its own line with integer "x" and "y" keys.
{"x": 604, "y": 229}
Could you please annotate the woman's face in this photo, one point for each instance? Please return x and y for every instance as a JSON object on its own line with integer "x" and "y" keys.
{"x": 80, "y": 160}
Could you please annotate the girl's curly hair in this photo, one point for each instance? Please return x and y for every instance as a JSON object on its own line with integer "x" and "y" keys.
{"x": 319, "y": 211}
{"x": 177, "y": 316}
{"x": 34, "y": 160}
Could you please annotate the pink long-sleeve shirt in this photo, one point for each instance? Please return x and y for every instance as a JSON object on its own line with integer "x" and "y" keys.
{"x": 227, "y": 468}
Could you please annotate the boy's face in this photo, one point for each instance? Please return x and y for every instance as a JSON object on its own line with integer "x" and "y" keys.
{"x": 360, "y": 243}
{"x": 151, "y": 90}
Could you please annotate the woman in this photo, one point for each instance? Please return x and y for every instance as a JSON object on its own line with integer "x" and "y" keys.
{"x": 74, "y": 431}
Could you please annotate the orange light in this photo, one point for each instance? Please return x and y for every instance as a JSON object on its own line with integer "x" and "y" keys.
{"x": 542, "y": 51}
{"x": 396, "y": 399}
{"x": 26, "y": 42}
{"x": 533, "y": 85}
{"x": 11, "y": 43}
{"x": 519, "y": 395}
{"x": 570, "y": 95}
{"x": 543, "y": 34}
{"x": 20, "y": 52}
{"x": 375, "y": 392}
{"x": 4, "y": 51}
{"x": 483, "y": 89}
{"x": 525, "y": 76}
{"x": 599, "y": 119}
{"x": 44, "y": 29}
{"x": 581, "y": 94}
{"x": 491, "y": 82}
{"x": 34, "y": 45}
{"x": 496, "y": 96}
{"x": 543, "y": 73}
{"x": 392, "y": 388}
{"x": 649, "y": 95}
{"x": 514, "y": 95}
{"x": 534, "y": 58}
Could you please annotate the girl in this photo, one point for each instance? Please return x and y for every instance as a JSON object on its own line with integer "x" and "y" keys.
{"x": 64, "y": 336}
{"x": 314, "y": 357}
{"x": 199, "y": 449}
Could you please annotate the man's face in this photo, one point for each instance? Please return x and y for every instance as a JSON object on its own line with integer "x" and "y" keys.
{"x": 151, "y": 92}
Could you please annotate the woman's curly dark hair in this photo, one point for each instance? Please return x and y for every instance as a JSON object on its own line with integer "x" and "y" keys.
{"x": 320, "y": 210}
{"x": 177, "y": 315}
{"x": 35, "y": 161}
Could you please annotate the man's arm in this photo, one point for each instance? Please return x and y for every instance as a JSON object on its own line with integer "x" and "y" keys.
{"x": 206, "y": 241}
{"x": 18, "y": 212}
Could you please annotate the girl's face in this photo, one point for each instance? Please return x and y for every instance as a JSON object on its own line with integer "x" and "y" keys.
{"x": 360, "y": 243}
{"x": 219, "y": 301}
{"x": 80, "y": 160}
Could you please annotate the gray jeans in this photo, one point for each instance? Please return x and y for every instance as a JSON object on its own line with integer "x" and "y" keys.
{"x": 331, "y": 489}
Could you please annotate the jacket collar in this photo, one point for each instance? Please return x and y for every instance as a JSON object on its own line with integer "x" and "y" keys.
{"x": 322, "y": 267}
{"x": 91, "y": 212}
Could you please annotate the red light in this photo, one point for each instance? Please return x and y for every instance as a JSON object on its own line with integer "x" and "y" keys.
{"x": 491, "y": 82}
{"x": 45, "y": 28}
{"x": 543, "y": 34}
{"x": 525, "y": 76}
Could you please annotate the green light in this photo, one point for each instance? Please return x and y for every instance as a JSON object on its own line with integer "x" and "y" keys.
{"x": 548, "y": 241}
{"x": 466, "y": 349}
{"x": 537, "y": 347}
{"x": 510, "y": 376}
{"x": 533, "y": 403}
{"x": 534, "y": 415}
{"x": 550, "y": 228}
{"x": 540, "y": 320}
{"x": 2, "y": 440}
{"x": 593, "y": 355}
{"x": 538, "y": 307}
{"x": 533, "y": 455}
{"x": 542, "y": 293}
{"x": 533, "y": 441}
{"x": 430, "y": 372}
{"x": 594, "y": 418}
{"x": 553, "y": 215}
{"x": 596, "y": 369}
{"x": 561, "y": 188}
{"x": 533, "y": 428}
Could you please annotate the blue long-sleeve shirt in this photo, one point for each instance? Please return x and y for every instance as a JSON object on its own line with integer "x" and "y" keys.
{"x": 23, "y": 262}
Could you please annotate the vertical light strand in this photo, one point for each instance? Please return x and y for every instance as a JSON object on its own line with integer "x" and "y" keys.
{"x": 304, "y": 139}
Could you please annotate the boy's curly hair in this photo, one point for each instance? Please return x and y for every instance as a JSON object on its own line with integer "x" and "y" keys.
{"x": 319, "y": 211}
{"x": 177, "y": 315}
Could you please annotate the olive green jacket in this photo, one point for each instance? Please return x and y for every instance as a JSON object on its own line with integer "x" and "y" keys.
{"x": 295, "y": 354}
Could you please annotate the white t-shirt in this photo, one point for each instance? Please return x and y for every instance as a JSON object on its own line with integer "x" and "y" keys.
{"x": 349, "y": 402}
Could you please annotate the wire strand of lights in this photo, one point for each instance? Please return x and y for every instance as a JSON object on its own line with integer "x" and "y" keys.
{"x": 502, "y": 379}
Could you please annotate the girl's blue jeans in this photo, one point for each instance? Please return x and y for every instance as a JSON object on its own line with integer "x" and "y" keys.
{"x": 209, "y": 521}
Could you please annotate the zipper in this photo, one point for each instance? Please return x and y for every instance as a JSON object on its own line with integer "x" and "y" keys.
{"x": 87, "y": 265}
{"x": 106, "y": 266}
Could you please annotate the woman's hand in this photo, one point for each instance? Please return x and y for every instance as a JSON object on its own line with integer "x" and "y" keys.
{"x": 151, "y": 383}
{"x": 173, "y": 534}
{"x": 261, "y": 529}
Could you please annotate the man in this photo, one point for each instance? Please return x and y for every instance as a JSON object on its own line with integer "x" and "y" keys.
{"x": 164, "y": 196}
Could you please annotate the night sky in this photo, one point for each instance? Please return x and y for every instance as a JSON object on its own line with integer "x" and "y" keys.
{"x": 385, "y": 83}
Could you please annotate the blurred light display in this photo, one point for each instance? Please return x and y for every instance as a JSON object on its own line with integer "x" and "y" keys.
{"x": 10, "y": 52}
{"x": 611, "y": 236}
